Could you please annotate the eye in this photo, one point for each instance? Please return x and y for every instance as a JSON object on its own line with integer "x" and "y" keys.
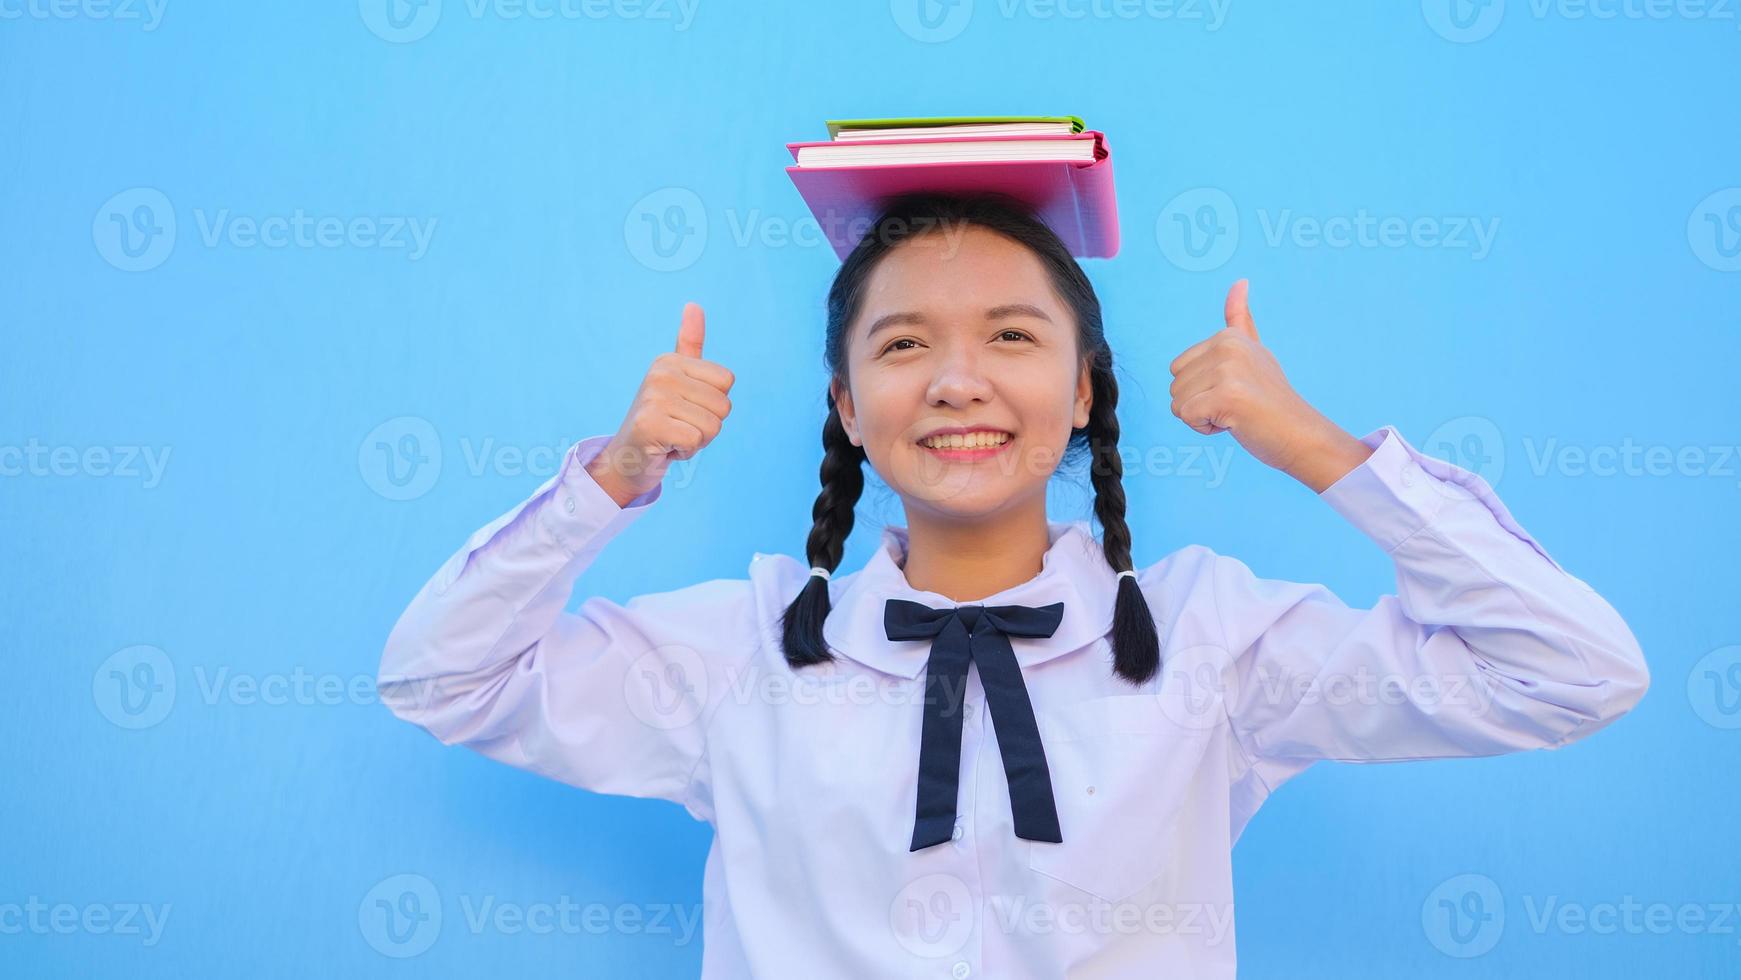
{"x": 1012, "y": 332}
{"x": 899, "y": 340}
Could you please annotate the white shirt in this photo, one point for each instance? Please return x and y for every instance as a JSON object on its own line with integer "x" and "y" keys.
{"x": 809, "y": 777}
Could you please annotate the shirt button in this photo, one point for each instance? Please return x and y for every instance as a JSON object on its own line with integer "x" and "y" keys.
{"x": 568, "y": 504}
{"x": 961, "y": 970}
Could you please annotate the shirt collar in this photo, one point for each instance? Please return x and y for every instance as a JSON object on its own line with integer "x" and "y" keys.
{"x": 1073, "y": 571}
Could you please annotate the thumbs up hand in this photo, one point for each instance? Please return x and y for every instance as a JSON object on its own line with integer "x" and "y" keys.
{"x": 681, "y": 404}
{"x": 1230, "y": 382}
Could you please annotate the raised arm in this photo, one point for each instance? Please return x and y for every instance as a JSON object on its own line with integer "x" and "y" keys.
{"x": 614, "y": 697}
{"x": 1488, "y": 645}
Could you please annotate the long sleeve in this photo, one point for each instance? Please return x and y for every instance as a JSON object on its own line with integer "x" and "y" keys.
{"x": 1488, "y": 645}
{"x": 613, "y": 698}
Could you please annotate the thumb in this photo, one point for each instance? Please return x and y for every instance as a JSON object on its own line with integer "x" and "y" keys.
{"x": 690, "y": 334}
{"x": 1239, "y": 309}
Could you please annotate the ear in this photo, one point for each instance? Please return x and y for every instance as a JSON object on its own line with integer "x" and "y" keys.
{"x": 843, "y": 405}
{"x": 1084, "y": 395}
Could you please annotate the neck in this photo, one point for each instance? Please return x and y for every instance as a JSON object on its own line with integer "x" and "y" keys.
{"x": 968, "y": 560}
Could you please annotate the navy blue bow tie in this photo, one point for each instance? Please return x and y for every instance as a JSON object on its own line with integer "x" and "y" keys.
{"x": 979, "y": 634}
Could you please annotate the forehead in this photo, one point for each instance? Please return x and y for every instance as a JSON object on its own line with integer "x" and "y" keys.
{"x": 955, "y": 271}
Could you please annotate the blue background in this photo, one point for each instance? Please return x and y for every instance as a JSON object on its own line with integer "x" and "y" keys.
{"x": 273, "y": 545}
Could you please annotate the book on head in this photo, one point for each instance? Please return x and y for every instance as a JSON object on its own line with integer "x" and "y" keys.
{"x": 1053, "y": 165}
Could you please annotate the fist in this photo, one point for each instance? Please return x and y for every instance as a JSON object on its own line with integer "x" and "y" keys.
{"x": 1230, "y": 382}
{"x": 681, "y": 404}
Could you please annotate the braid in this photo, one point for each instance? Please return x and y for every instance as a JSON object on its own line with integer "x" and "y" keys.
{"x": 1135, "y": 640}
{"x": 832, "y": 518}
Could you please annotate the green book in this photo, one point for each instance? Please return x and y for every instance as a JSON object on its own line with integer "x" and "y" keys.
{"x": 923, "y": 127}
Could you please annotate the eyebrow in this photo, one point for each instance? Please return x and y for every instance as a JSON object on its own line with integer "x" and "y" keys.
{"x": 913, "y": 318}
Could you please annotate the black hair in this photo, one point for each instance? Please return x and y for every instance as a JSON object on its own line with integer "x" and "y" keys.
{"x": 1135, "y": 639}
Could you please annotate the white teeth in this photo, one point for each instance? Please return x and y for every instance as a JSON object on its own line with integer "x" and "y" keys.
{"x": 971, "y": 440}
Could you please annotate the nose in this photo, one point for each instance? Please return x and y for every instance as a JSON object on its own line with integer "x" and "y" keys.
{"x": 959, "y": 380}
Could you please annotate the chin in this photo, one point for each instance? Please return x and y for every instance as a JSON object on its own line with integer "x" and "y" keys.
{"x": 974, "y": 499}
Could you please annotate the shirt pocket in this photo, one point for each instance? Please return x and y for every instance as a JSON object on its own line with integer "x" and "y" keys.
{"x": 1120, "y": 766}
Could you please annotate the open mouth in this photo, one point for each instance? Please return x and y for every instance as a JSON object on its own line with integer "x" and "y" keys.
{"x": 966, "y": 444}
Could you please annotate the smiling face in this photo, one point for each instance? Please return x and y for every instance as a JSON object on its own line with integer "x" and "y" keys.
{"x": 965, "y": 374}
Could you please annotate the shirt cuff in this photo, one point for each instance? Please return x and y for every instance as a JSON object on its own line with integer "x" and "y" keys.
{"x": 578, "y": 509}
{"x": 1389, "y": 496}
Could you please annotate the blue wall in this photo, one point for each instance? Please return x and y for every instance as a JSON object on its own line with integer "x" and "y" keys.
{"x": 457, "y": 262}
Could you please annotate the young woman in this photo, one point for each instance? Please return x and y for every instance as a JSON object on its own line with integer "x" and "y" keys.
{"x": 999, "y": 749}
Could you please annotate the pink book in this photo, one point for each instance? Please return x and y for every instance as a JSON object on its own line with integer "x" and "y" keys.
{"x": 1073, "y": 197}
